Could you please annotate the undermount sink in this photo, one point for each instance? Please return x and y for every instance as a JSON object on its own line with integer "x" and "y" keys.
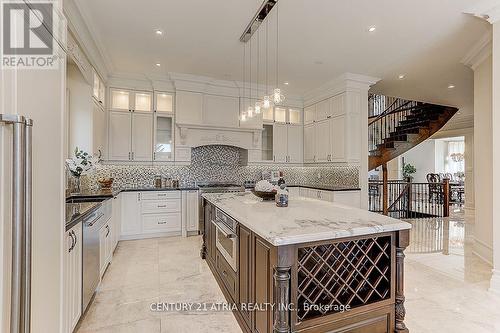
{"x": 78, "y": 199}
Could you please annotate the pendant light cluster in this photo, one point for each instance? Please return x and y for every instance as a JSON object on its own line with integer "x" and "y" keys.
{"x": 276, "y": 97}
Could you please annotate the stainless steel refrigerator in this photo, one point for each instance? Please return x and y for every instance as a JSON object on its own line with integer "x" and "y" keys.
{"x": 20, "y": 219}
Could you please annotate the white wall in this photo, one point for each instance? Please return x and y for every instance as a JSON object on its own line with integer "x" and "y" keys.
{"x": 483, "y": 163}
{"x": 80, "y": 111}
{"x": 423, "y": 158}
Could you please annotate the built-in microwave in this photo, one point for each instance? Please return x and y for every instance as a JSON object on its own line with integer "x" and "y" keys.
{"x": 226, "y": 237}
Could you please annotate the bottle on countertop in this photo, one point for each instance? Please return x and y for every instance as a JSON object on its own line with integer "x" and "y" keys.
{"x": 281, "y": 197}
{"x": 281, "y": 181}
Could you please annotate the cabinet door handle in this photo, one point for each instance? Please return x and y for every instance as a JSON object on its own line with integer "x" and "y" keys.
{"x": 72, "y": 241}
{"x": 129, "y": 156}
{"x": 76, "y": 239}
{"x": 162, "y": 222}
{"x": 162, "y": 195}
{"x": 162, "y": 206}
{"x": 139, "y": 196}
{"x": 132, "y": 156}
{"x": 107, "y": 234}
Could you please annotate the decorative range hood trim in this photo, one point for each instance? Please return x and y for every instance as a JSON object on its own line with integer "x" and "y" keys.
{"x": 201, "y": 135}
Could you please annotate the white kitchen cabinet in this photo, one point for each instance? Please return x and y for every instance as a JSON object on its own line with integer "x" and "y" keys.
{"x": 280, "y": 142}
{"x": 295, "y": 143}
{"x": 323, "y": 110}
{"x": 116, "y": 218}
{"x": 163, "y": 137}
{"x": 103, "y": 263}
{"x": 338, "y": 105}
{"x": 99, "y": 90}
{"x": 322, "y": 141}
{"x": 72, "y": 278}
{"x": 164, "y": 102}
{"x": 120, "y": 135}
{"x": 309, "y": 114}
{"x": 190, "y": 212}
{"x": 105, "y": 246}
{"x": 142, "y": 136}
{"x": 142, "y": 101}
{"x": 337, "y": 139}
{"x": 294, "y": 116}
{"x": 309, "y": 143}
{"x": 98, "y": 130}
{"x": 130, "y": 213}
{"x": 121, "y": 99}
{"x": 189, "y": 107}
{"x": 280, "y": 115}
{"x": 267, "y": 142}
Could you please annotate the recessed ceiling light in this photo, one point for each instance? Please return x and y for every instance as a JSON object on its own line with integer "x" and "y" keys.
{"x": 158, "y": 32}
{"x": 401, "y": 76}
{"x": 158, "y": 64}
{"x": 451, "y": 86}
{"x": 372, "y": 28}
{"x": 286, "y": 83}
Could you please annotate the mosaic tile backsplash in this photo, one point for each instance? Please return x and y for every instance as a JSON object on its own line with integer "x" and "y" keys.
{"x": 223, "y": 163}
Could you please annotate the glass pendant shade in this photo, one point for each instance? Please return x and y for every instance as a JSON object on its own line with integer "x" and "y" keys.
{"x": 267, "y": 102}
{"x": 250, "y": 112}
{"x": 278, "y": 98}
{"x": 257, "y": 108}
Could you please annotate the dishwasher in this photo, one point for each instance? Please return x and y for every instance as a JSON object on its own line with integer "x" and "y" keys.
{"x": 90, "y": 255}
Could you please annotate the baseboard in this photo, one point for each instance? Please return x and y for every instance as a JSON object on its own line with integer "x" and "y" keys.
{"x": 495, "y": 282}
{"x": 483, "y": 251}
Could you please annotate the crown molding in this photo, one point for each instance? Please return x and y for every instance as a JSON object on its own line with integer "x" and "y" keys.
{"x": 479, "y": 52}
{"x": 488, "y": 10}
{"x": 344, "y": 82}
{"x": 82, "y": 27}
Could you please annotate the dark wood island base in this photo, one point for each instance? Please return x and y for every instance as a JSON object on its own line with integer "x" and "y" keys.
{"x": 310, "y": 285}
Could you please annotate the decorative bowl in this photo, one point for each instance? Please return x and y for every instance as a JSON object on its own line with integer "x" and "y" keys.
{"x": 266, "y": 196}
{"x": 105, "y": 183}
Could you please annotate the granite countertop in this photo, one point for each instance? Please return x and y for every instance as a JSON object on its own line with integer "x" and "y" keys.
{"x": 75, "y": 212}
{"x": 304, "y": 220}
{"x": 326, "y": 187}
{"x": 109, "y": 193}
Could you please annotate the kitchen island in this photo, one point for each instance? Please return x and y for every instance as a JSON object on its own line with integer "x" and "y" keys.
{"x": 314, "y": 266}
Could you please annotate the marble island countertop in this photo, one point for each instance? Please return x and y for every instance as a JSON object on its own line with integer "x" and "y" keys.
{"x": 304, "y": 220}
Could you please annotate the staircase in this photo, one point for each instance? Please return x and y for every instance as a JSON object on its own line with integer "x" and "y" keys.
{"x": 396, "y": 125}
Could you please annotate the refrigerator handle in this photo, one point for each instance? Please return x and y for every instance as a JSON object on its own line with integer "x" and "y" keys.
{"x": 21, "y": 222}
{"x": 28, "y": 222}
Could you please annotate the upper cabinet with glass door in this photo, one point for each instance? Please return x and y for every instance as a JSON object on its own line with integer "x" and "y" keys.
{"x": 286, "y": 115}
{"x": 164, "y": 102}
{"x": 129, "y": 100}
{"x": 99, "y": 90}
{"x": 163, "y": 127}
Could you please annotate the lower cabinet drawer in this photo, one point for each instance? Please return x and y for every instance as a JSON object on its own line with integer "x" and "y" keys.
{"x": 161, "y": 206}
{"x": 227, "y": 275}
{"x": 161, "y": 222}
{"x": 154, "y": 195}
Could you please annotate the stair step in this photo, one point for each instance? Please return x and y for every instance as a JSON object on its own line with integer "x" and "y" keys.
{"x": 414, "y": 123}
{"x": 425, "y": 116}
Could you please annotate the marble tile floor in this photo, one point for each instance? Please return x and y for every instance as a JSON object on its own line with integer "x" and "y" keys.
{"x": 446, "y": 285}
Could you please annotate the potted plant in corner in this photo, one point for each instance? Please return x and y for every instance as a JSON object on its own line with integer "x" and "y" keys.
{"x": 81, "y": 164}
{"x": 408, "y": 171}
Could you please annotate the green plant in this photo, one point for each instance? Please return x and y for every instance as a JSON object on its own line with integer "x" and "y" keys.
{"x": 408, "y": 170}
{"x": 82, "y": 163}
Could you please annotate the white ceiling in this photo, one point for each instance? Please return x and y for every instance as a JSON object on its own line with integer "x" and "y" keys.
{"x": 424, "y": 39}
